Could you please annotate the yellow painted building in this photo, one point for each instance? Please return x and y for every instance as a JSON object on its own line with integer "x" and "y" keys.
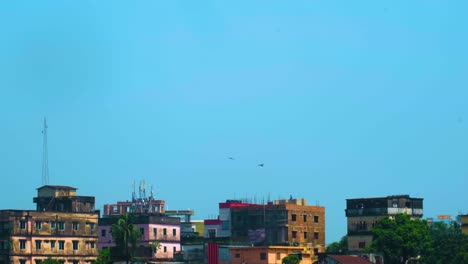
{"x": 464, "y": 224}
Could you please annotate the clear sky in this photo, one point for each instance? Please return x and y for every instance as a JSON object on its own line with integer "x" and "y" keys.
{"x": 339, "y": 99}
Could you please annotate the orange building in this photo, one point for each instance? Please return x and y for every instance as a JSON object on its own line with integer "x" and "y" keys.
{"x": 267, "y": 255}
{"x": 288, "y": 222}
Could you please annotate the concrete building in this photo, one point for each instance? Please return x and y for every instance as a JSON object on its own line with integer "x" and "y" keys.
{"x": 464, "y": 223}
{"x": 63, "y": 227}
{"x": 154, "y": 228}
{"x": 363, "y": 213}
{"x": 288, "y": 222}
{"x": 446, "y": 219}
{"x": 266, "y": 255}
{"x": 221, "y": 227}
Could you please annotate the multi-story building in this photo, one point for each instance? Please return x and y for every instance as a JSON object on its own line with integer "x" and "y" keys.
{"x": 221, "y": 227}
{"x": 363, "y": 213}
{"x": 64, "y": 228}
{"x": 155, "y": 228}
{"x": 464, "y": 223}
{"x": 288, "y": 222}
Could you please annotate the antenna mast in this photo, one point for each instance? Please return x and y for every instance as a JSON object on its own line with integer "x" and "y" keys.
{"x": 45, "y": 154}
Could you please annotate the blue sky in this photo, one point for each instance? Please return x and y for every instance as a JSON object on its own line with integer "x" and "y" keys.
{"x": 339, "y": 99}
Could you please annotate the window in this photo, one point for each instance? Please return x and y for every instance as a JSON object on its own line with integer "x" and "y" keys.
{"x": 225, "y": 225}
{"x": 22, "y": 261}
{"x": 75, "y": 245}
{"x": 305, "y": 218}
{"x": 237, "y": 255}
{"x": 75, "y": 262}
{"x": 75, "y": 226}
{"x": 142, "y": 231}
{"x": 305, "y": 235}
{"x": 38, "y": 244}
{"x": 61, "y": 226}
{"x": 361, "y": 225}
{"x": 262, "y": 256}
{"x": 52, "y": 244}
{"x": 293, "y": 217}
{"x": 91, "y": 226}
{"x": 316, "y": 235}
{"x": 155, "y": 231}
{"x": 91, "y": 244}
{"x": 22, "y": 243}
{"x": 165, "y": 249}
{"x": 362, "y": 244}
{"x": 38, "y": 225}
{"x": 103, "y": 232}
{"x": 316, "y": 218}
{"x": 316, "y": 251}
{"x": 61, "y": 245}
{"x": 164, "y": 232}
{"x": 53, "y": 225}
{"x": 278, "y": 256}
{"x": 22, "y": 225}
{"x": 174, "y": 249}
{"x": 294, "y": 234}
{"x": 174, "y": 232}
{"x": 211, "y": 233}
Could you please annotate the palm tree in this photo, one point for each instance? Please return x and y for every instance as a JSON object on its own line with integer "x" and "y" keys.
{"x": 125, "y": 233}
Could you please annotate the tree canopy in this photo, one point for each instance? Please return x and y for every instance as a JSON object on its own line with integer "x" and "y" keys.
{"x": 104, "y": 257}
{"x": 403, "y": 238}
{"x": 291, "y": 259}
{"x": 125, "y": 234}
{"x": 50, "y": 261}
{"x": 340, "y": 247}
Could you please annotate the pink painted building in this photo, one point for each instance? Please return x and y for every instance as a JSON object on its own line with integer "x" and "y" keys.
{"x": 154, "y": 228}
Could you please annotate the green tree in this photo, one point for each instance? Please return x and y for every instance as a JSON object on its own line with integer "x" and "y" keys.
{"x": 291, "y": 259}
{"x": 155, "y": 246}
{"x": 125, "y": 235}
{"x": 401, "y": 238}
{"x": 104, "y": 257}
{"x": 448, "y": 244}
{"x": 50, "y": 261}
{"x": 338, "y": 247}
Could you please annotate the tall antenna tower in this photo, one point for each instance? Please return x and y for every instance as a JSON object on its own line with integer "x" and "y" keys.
{"x": 45, "y": 156}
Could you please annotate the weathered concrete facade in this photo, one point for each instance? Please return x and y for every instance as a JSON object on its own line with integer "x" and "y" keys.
{"x": 363, "y": 213}
{"x": 33, "y": 236}
{"x": 70, "y": 236}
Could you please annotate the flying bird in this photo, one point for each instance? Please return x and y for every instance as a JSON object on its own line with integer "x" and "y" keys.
{"x": 260, "y": 165}
{"x": 231, "y": 158}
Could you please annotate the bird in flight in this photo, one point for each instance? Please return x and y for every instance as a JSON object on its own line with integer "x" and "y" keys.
{"x": 231, "y": 158}
{"x": 260, "y": 165}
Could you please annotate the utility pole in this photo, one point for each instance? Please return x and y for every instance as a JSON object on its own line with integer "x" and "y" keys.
{"x": 45, "y": 154}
